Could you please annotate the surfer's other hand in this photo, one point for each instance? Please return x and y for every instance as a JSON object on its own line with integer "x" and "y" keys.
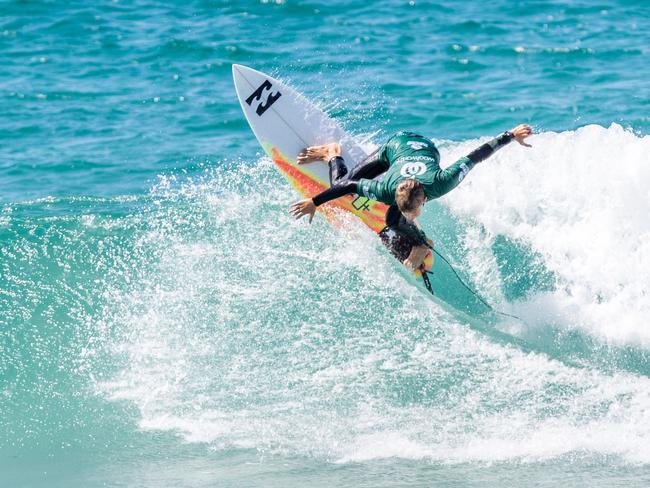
{"x": 521, "y": 132}
{"x": 416, "y": 257}
{"x": 302, "y": 208}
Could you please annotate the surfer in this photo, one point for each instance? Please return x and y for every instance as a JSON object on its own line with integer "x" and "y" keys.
{"x": 411, "y": 175}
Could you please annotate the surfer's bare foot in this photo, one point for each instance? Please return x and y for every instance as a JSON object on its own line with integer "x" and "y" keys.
{"x": 324, "y": 152}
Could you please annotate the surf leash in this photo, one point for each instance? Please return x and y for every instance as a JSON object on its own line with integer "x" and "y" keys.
{"x": 425, "y": 278}
{"x": 427, "y": 283}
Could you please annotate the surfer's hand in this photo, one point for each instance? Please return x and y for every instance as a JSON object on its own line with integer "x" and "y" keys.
{"x": 416, "y": 257}
{"x": 303, "y": 207}
{"x": 521, "y": 132}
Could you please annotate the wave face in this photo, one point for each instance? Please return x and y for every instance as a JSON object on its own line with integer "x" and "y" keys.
{"x": 163, "y": 322}
{"x": 203, "y": 310}
{"x": 575, "y": 184}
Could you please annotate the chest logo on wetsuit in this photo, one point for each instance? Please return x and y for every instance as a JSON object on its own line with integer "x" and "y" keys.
{"x": 416, "y": 145}
{"x": 410, "y": 170}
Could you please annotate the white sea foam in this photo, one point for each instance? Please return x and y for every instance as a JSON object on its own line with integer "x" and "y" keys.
{"x": 581, "y": 200}
{"x": 294, "y": 341}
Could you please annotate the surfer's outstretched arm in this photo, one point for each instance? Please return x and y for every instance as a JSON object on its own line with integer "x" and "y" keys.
{"x": 519, "y": 134}
{"x": 449, "y": 178}
{"x": 343, "y": 182}
{"x": 308, "y": 205}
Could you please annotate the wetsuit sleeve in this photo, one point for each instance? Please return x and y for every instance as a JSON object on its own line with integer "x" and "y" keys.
{"x": 396, "y": 221}
{"x": 490, "y": 147}
{"x": 338, "y": 190}
{"x": 449, "y": 178}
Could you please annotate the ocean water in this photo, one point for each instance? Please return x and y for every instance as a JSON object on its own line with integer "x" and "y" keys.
{"x": 164, "y": 322}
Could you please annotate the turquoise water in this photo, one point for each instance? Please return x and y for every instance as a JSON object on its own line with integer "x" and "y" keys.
{"x": 163, "y": 321}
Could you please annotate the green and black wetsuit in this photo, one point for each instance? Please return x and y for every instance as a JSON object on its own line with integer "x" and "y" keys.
{"x": 405, "y": 155}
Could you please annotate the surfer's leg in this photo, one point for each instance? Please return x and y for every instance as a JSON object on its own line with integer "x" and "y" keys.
{"x": 323, "y": 152}
{"x": 407, "y": 242}
{"x": 396, "y": 221}
{"x": 398, "y": 245}
{"x": 338, "y": 171}
{"x": 371, "y": 167}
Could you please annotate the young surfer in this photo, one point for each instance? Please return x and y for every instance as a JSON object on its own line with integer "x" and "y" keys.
{"x": 411, "y": 175}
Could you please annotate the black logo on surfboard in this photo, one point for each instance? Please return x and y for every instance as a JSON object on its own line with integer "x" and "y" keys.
{"x": 257, "y": 95}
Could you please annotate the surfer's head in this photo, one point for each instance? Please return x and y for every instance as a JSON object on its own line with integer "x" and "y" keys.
{"x": 410, "y": 197}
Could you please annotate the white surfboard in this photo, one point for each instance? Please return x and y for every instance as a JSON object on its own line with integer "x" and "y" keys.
{"x": 284, "y": 119}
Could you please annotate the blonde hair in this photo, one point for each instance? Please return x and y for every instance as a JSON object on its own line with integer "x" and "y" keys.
{"x": 409, "y": 195}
